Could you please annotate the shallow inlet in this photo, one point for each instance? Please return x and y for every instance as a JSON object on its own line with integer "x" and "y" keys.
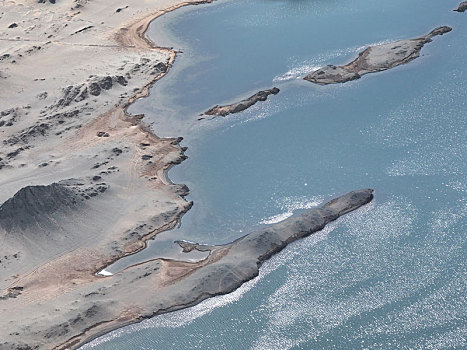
{"x": 388, "y": 276}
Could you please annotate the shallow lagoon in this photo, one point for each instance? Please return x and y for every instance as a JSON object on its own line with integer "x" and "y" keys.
{"x": 389, "y": 276}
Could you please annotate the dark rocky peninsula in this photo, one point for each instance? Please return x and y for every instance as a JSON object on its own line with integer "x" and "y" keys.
{"x": 100, "y": 304}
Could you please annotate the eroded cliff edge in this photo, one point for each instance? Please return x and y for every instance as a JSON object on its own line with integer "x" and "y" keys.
{"x": 375, "y": 59}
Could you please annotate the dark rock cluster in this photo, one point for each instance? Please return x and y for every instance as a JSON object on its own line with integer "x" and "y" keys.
{"x": 94, "y": 87}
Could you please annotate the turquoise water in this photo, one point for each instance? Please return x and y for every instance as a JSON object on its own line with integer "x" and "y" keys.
{"x": 389, "y": 276}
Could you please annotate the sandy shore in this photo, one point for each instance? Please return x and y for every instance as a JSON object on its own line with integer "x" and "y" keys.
{"x": 83, "y": 183}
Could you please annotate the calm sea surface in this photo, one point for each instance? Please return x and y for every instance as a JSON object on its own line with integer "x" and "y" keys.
{"x": 389, "y": 276}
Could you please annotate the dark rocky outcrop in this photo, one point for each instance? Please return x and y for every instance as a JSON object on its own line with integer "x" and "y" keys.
{"x": 106, "y": 83}
{"x": 94, "y": 89}
{"x": 42, "y": 95}
{"x": 188, "y": 246}
{"x": 70, "y": 93}
{"x": 462, "y": 7}
{"x": 160, "y": 67}
{"x": 375, "y": 59}
{"x": 12, "y": 292}
{"x": 36, "y": 205}
{"x": 120, "y": 9}
{"x": 82, "y": 30}
{"x": 93, "y": 86}
{"x": 121, "y": 80}
{"x": 10, "y": 116}
{"x": 117, "y": 151}
{"x": 243, "y": 104}
{"x": 17, "y": 346}
{"x": 40, "y": 129}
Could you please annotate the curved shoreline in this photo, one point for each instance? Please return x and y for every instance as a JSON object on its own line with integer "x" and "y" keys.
{"x": 80, "y": 296}
{"x": 132, "y": 322}
{"x": 113, "y": 126}
{"x": 135, "y": 37}
{"x": 216, "y": 253}
{"x": 140, "y": 28}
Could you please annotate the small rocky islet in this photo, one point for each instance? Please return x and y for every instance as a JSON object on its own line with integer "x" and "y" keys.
{"x": 242, "y": 105}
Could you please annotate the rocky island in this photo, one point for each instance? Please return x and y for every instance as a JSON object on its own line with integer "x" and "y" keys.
{"x": 375, "y": 59}
{"x": 242, "y": 105}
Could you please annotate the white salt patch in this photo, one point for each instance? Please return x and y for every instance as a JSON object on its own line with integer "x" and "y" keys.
{"x": 104, "y": 273}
